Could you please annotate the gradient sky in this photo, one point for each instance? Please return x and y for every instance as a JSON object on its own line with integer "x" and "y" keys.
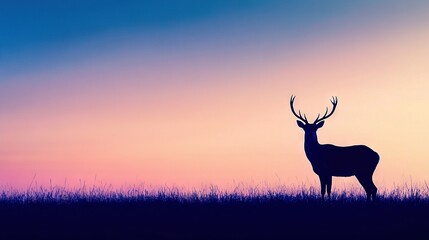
{"x": 190, "y": 93}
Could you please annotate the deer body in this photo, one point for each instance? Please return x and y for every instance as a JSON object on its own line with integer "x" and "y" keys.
{"x": 329, "y": 160}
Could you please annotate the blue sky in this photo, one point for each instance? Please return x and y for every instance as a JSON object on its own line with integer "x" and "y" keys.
{"x": 36, "y": 33}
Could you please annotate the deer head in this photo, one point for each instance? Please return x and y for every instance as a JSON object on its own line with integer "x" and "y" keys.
{"x": 311, "y": 128}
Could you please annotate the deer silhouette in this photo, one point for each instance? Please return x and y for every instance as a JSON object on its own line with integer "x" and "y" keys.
{"x": 329, "y": 160}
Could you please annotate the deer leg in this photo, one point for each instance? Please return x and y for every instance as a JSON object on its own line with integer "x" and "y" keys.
{"x": 373, "y": 189}
{"x": 329, "y": 186}
{"x": 363, "y": 180}
{"x": 322, "y": 186}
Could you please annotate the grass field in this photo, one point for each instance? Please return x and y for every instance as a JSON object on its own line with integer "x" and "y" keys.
{"x": 171, "y": 213}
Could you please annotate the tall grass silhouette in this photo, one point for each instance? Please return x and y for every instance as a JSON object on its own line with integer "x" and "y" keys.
{"x": 406, "y": 193}
{"x": 210, "y": 213}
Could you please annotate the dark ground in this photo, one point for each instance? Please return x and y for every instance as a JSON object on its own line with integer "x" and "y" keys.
{"x": 273, "y": 219}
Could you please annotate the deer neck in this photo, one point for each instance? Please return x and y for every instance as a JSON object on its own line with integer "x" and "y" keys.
{"x": 311, "y": 145}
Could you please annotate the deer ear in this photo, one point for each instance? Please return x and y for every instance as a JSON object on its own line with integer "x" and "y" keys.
{"x": 319, "y": 125}
{"x": 300, "y": 124}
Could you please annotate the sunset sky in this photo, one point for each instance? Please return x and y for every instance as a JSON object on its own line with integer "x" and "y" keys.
{"x": 190, "y": 93}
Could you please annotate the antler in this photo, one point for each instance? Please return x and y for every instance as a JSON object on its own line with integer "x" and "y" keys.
{"x": 334, "y": 102}
{"x": 304, "y": 119}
